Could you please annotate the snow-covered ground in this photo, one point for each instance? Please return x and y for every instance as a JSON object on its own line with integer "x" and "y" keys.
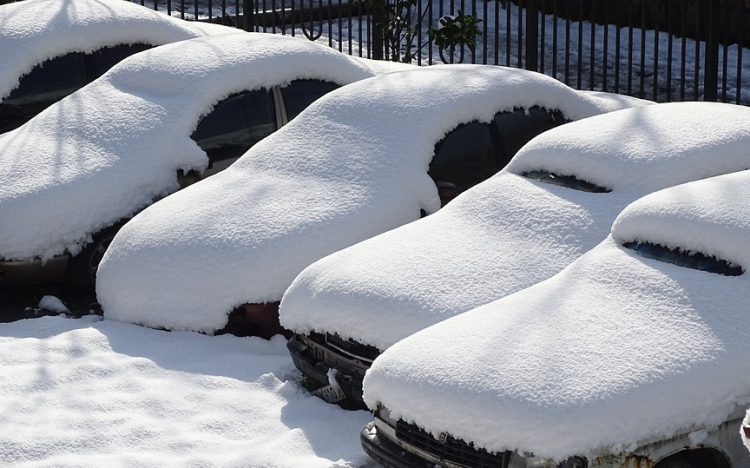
{"x": 92, "y": 393}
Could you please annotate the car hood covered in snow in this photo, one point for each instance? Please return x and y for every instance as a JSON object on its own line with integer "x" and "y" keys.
{"x": 509, "y": 232}
{"x": 33, "y": 31}
{"x": 352, "y": 165}
{"x": 111, "y": 148}
{"x": 619, "y": 347}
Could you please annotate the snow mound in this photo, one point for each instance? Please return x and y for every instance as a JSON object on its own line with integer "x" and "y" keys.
{"x": 624, "y": 348}
{"x": 113, "y": 147}
{"x": 509, "y": 233}
{"x": 352, "y": 165}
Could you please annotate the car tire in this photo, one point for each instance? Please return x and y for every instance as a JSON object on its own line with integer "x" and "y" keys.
{"x": 684, "y": 461}
{"x": 81, "y": 270}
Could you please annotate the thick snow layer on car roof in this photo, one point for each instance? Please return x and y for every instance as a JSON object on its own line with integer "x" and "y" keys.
{"x": 33, "y": 31}
{"x": 112, "y": 147}
{"x": 622, "y": 348}
{"x": 509, "y": 233}
{"x": 351, "y": 166}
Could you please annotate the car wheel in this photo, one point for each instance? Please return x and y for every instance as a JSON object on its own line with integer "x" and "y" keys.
{"x": 678, "y": 462}
{"x": 81, "y": 271}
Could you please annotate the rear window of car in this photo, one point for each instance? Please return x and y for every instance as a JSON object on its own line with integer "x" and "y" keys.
{"x": 236, "y": 124}
{"x": 299, "y": 94}
{"x": 568, "y": 181}
{"x": 679, "y": 257}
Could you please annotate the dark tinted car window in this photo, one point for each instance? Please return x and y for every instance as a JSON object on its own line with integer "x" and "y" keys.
{"x": 569, "y": 181}
{"x": 54, "y": 79}
{"x": 696, "y": 261}
{"x": 301, "y": 93}
{"x": 519, "y": 126}
{"x": 50, "y": 81}
{"x": 236, "y": 124}
{"x": 465, "y": 157}
{"x": 106, "y": 58}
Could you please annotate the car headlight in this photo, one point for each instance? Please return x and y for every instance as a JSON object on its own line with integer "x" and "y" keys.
{"x": 385, "y": 414}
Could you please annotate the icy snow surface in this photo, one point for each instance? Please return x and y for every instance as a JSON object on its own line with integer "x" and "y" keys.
{"x": 33, "y": 31}
{"x": 92, "y": 394}
{"x": 111, "y": 148}
{"x": 620, "y": 347}
{"x": 509, "y": 232}
{"x": 352, "y": 165}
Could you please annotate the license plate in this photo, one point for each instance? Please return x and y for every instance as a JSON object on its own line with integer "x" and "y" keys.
{"x": 330, "y": 394}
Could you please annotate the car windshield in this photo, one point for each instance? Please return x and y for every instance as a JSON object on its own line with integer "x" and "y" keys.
{"x": 565, "y": 181}
{"x": 694, "y": 260}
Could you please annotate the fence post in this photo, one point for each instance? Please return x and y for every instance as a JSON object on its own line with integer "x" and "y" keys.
{"x": 376, "y": 18}
{"x": 532, "y": 35}
{"x": 711, "y": 66}
{"x": 247, "y": 9}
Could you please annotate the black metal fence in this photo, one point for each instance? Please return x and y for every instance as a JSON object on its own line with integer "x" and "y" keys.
{"x": 663, "y": 50}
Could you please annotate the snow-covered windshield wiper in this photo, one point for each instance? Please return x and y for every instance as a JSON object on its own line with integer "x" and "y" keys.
{"x": 565, "y": 181}
{"x": 694, "y": 260}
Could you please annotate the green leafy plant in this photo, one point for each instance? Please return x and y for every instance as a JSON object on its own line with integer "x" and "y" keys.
{"x": 398, "y": 22}
{"x": 455, "y": 32}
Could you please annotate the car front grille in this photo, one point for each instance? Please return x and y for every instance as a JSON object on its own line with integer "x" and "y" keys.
{"x": 352, "y": 348}
{"x": 452, "y": 450}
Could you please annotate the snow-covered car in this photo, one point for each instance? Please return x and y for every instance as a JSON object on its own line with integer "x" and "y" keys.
{"x": 49, "y": 48}
{"x": 745, "y": 432}
{"x": 354, "y": 164}
{"x": 634, "y": 355}
{"x": 157, "y": 121}
{"x": 554, "y": 201}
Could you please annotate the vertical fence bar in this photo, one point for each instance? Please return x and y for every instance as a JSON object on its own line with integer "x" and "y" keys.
{"x": 605, "y": 53}
{"x": 508, "y": 7}
{"x": 725, "y": 60}
{"x": 579, "y": 69}
{"x": 642, "y": 80}
{"x": 711, "y": 73}
{"x": 542, "y": 36}
{"x": 520, "y": 32}
{"x": 532, "y": 35}
{"x": 592, "y": 52}
{"x": 485, "y": 29}
{"x": 683, "y": 57}
{"x": 670, "y": 47}
{"x": 656, "y": 58}
{"x": 618, "y": 24}
{"x": 554, "y": 38}
{"x": 630, "y": 49}
{"x": 740, "y": 18}
{"x": 567, "y": 46}
{"x": 698, "y": 24}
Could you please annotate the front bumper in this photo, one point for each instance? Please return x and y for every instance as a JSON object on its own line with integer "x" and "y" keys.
{"x": 318, "y": 371}
{"x": 388, "y": 454}
{"x": 22, "y": 272}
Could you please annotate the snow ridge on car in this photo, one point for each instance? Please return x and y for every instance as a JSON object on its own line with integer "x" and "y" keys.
{"x": 352, "y": 165}
{"x": 84, "y": 26}
{"x": 626, "y": 349}
{"x": 111, "y": 148}
{"x": 510, "y": 232}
